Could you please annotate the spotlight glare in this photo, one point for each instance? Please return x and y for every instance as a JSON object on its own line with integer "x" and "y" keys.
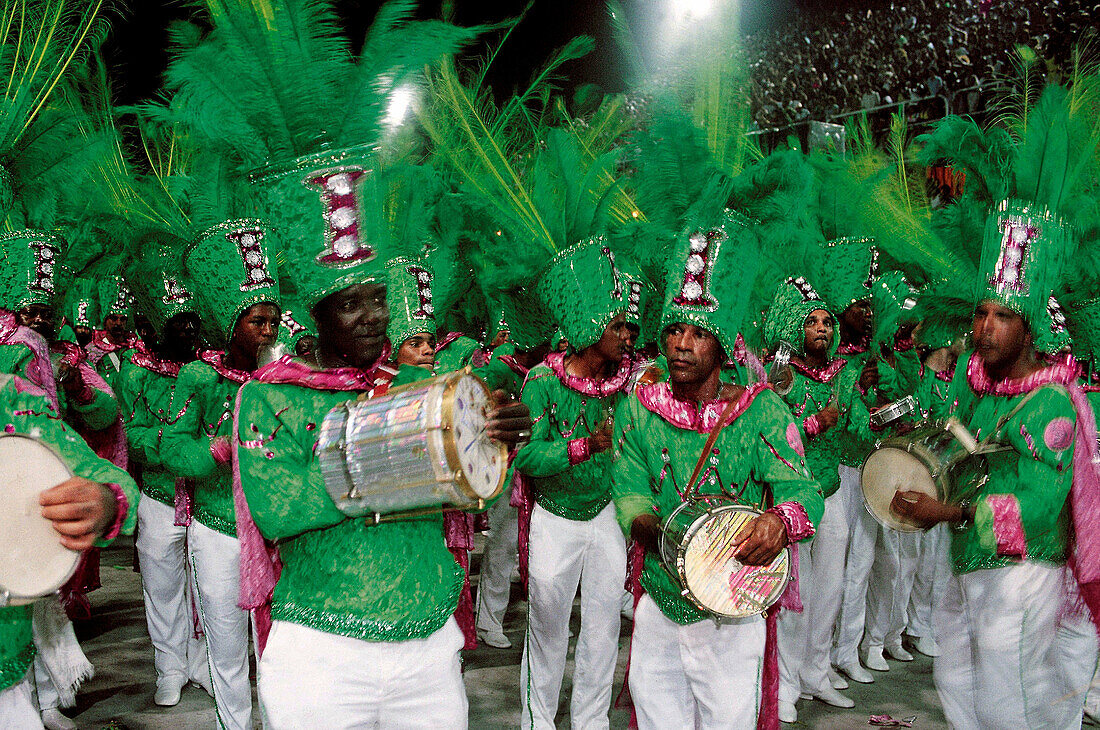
{"x": 400, "y": 103}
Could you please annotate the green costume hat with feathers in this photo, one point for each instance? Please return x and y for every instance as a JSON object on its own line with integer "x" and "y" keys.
{"x": 115, "y": 296}
{"x": 795, "y": 299}
{"x": 409, "y": 293}
{"x": 81, "y": 303}
{"x": 294, "y": 323}
{"x": 846, "y": 271}
{"x": 32, "y": 268}
{"x": 160, "y": 287}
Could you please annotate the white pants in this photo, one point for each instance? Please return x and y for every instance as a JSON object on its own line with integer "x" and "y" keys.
{"x": 565, "y": 554}
{"x": 497, "y": 563}
{"x": 215, "y": 563}
{"x": 999, "y": 663}
{"x": 309, "y": 678}
{"x": 1077, "y": 653}
{"x": 792, "y": 628}
{"x": 933, "y": 572}
{"x": 702, "y": 675}
{"x": 821, "y": 605}
{"x": 165, "y": 583}
{"x": 890, "y": 585}
{"x": 17, "y": 710}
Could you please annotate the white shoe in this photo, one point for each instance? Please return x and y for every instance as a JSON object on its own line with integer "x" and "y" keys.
{"x": 495, "y": 639}
{"x": 926, "y": 645}
{"x": 830, "y": 696}
{"x": 899, "y": 653}
{"x": 856, "y": 673}
{"x": 52, "y": 719}
{"x": 835, "y": 680}
{"x": 168, "y": 692}
{"x": 787, "y": 712}
{"x": 873, "y": 659}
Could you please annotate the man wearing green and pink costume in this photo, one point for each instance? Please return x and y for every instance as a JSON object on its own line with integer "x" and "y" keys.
{"x": 685, "y": 669}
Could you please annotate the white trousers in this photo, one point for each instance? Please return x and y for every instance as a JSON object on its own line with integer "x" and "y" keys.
{"x": 564, "y": 554}
{"x": 215, "y": 561}
{"x": 165, "y": 583}
{"x": 497, "y": 563}
{"x": 890, "y": 586}
{"x": 309, "y": 678}
{"x": 933, "y": 572}
{"x": 17, "y": 710}
{"x": 821, "y": 604}
{"x": 792, "y": 628}
{"x": 999, "y": 663}
{"x": 703, "y": 675}
{"x": 1077, "y": 653}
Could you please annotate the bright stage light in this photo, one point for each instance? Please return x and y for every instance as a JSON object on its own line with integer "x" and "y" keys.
{"x": 400, "y": 103}
{"x": 692, "y": 9}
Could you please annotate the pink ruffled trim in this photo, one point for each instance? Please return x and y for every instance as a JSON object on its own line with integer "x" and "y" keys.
{"x": 795, "y": 519}
{"x": 185, "y": 502}
{"x": 221, "y": 451}
{"x": 144, "y": 358}
{"x": 658, "y": 398}
{"x": 216, "y": 360}
{"x": 1064, "y": 372}
{"x": 848, "y": 348}
{"x": 40, "y": 368}
{"x": 595, "y": 387}
{"x": 812, "y": 426}
{"x": 122, "y": 509}
{"x": 1008, "y": 527}
{"x": 578, "y": 451}
{"x": 447, "y": 339}
{"x": 295, "y": 372}
{"x": 821, "y": 375}
{"x": 514, "y": 365}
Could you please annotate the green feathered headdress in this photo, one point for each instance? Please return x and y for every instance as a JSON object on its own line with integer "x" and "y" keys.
{"x": 795, "y": 299}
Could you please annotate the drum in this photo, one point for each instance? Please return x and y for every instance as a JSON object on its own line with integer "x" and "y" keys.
{"x": 893, "y": 411}
{"x": 33, "y": 563}
{"x": 418, "y": 446}
{"x": 697, "y": 548}
{"x": 936, "y": 459}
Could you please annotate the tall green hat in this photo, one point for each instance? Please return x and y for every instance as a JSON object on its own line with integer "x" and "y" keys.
{"x": 795, "y": 299}
{"x": 81, "y": 303}
{"x": 32, "y": 270}
{"x": 160, "y": 287}
{"x": 711, "y": 277}
{"x": 229, "y": 265}
{"x": 846, "y": 271}
{"x": 1084, "y": 326}
{"x": 115, "y": 296}
{"x": 294, "y": 323}
{"x": 584, "y": 288}
{"x": 409, "y": 294}
{"x": 1053, "y": 332}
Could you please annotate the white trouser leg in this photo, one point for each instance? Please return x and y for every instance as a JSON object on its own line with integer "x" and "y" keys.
{"x": 933, "y": 572}
{"x": 821, "y": 606}
{"x": 162, "y": 557}
{"x": 17, "y": 710}
{"x": 792, "y": 629}
{"x": 1077, "y": 653}
{"x": 603, "y": 573}
{"x": 697, "y": 676}
{"x": 45, "y": 689}
{"x": 497, "y": 563}
{"x": 996, "y": 630}
{"x": 309, "y": 678}
{"x": 215, "y": 561}
{"x": 554, "y": 572}
{"x": 857, "y": 571}
{"x": 895, "y": 555}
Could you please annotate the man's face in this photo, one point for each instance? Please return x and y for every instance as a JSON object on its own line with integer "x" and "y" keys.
{"x": 83, "y": 334}
{"x": 257, "y": 327}
{"x": 352, "y": 323}
{"x": 116, "y": 326}
{"x": 617, "y": 339}
{"x": 417, "y": 350}
{"x": 181, "y": 333}
{"x": 1000, "y": 335}
{"x": 818, "y": 329}
{"x": 693, "y": 353}
{"x": 857, "y": 318}
{"x": 38, "y": 317}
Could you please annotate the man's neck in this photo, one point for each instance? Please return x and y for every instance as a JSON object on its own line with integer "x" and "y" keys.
{"x": 589, "y": 363}
{"x": 702, "y": 391}
{"x": 331, "y": 359}
{"x": 815, "y": 360}
{"x": 240, "y": 360}
{"x": 1025, "y": 364}
{"x": 116, "y": 340}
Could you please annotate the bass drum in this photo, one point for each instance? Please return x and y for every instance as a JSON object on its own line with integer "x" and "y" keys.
{"x": 33, "y": 562}
{"x": 697, "y": 548}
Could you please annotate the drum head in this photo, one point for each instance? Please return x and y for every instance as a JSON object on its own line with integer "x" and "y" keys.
{"x": 718, "y": 582}
{"x": 887, "y": 471}
{"x": 33, "y": 562}
{"x": 483, "y": 461}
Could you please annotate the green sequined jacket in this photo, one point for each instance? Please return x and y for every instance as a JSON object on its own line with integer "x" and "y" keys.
{"x": 387, "y": 582}
{"x": 26, "y": 411}
{"x": 658, "y": 441}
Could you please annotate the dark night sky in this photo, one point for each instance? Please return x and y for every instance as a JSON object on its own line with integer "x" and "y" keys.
{"x": 136, "y": 48}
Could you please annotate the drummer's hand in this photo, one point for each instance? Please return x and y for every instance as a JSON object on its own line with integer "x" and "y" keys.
{"x": 869, "y": 377}
{"x": 645, "y": 530}
{"x": 784, "y": 380}
{"x": 924, "y": 510}
{"x": 509, "y": 421}
{"x": 599, "y": 441}
{"x": 761, "y": 540}
{"x": 80, "y": 510}
{"x": 827, "y": 417}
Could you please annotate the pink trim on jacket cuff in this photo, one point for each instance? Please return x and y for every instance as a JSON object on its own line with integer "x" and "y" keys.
{"x": 220, "y": 450}
{"x": 794, "y": 519}
{"x": 84, "y": 396}
{"x": 123, "y": 509}
{"x": 812, "y": 426}
{"x": 1008, "y": 527}
{"x": 578, "y": 451}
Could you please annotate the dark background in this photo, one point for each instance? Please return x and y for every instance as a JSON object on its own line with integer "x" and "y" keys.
{"x": 137, "y": 53}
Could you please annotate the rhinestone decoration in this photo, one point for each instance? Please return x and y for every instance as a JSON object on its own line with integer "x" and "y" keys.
{"x": 1016, "y": 236}
{"x": 174, "y": 292}
{"x": 617, "y": 292}
{"x": 703, "y": 245}
{"x": 248, "y": 241}
{"x": 634, "y": 301}
{"x": 292, "y": 325}
{"x": 44, "y": 254}
{"x": 1057, "y": 316}
{"x": 423, "y": 279}
{"x": 341, "y": 211}
{"x": 805, "y": 289}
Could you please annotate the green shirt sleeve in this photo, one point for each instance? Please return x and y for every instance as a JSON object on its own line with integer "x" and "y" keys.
{"x": 141, "y": 433}
{"x": 100, "y": 412}
{"x": 632, "y": 486}
{"x": 546, "y": 454}
{"x": 185, "y": 445}
{"x": 776, "y": 461}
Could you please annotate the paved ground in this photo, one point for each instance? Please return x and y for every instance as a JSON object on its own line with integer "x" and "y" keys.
{"x": 122, "y": 690}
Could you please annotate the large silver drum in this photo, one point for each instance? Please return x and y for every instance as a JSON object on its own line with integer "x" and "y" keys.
{"x": 33, "y": 562}
{"x": 418, "y": 446}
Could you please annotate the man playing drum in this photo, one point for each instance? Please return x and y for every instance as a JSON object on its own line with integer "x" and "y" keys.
{"x": 684, "y": 666}
{"x": 90, "y": 509}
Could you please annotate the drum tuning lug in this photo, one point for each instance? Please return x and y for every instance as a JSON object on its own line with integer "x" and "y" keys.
{"x": 377, "y": 518}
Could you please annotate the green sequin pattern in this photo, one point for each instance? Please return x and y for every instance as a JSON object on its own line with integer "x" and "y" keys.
{"x": 16, "y": 645}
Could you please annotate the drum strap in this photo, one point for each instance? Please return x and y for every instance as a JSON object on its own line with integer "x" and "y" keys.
{"x": 721, "y": 423}
{"x": 1011, "y": 414}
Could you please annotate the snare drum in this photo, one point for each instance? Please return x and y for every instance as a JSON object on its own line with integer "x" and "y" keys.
{"x": 418, "y": 446}
{"x": 697, "y": 547}
{"x": 932, "y": 459}
{"x": 891, "y": 412}
{"x": 33, "y": 563}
